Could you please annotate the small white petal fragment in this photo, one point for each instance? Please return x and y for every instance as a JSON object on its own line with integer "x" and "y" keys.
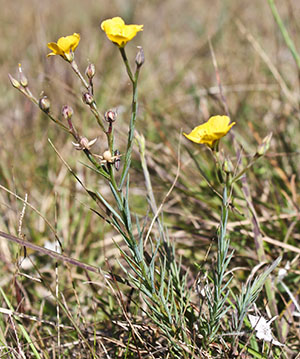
{"x": 77, "y": 146}
{"x": 90, "y": 144}
{"x": 84, "y": 144}
{"x": 52, "y": 246}
{"x": 263, "y": 329}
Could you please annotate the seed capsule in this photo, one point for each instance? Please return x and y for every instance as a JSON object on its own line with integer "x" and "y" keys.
{"x": 67, "y": 112}
{"x": 117, "y": 160}
{"x": 140, "y": 57}
{"x": 90, "y": 71}
{"x": 265, "y": 145}
{"x": 14, "y": 82}
{"x": 44, "y": 104}
{"x": 110, "y": 116}
{"x": 87, "y": 98}
{"x": 107, "y": 156}
{"x": 23, "y": 78}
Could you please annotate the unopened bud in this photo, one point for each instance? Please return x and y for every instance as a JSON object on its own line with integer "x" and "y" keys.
{"x": 87, "y": 98}
{"x": 44, "y": 104}
{"x": 90, "y": 71}
{"x": 84, "y": 142}
{"x": 67, "y": 112}
{"x": 14, "y": 82}
{"x": 107, "y": 156}
{"x": 117, "y": 160}
{"x": 140, "y": 57}
{"x": 23, "y": 78}
{"x": 228, "y": 166}
{"x": 265, "y": 145}
{"x": 110, "y": 116}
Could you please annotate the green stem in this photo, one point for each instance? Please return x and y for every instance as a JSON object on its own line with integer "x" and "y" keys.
{"x": 97, "y": 115}
{"x": 110, "y": 139}
{"x": 244, "y": 170}
{"x": 289, "y": 42}
{"x": 100, "y": 168}
{"x": 126, "y": 62}
{"x": 113, "y": 180}
{"x": 127, "y": 161}
{"x": 134, "y": 107}
{"x": 30, "y": 97}
{"x": 92, "y": 106}
{"x": 269, "y": 286}
{"x": 221, "y": 267}
{"x": 75, "y": 68}
{"x": 59, "y": 123}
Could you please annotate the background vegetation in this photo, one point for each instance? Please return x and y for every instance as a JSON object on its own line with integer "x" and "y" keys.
{"x": 178, "y": 90}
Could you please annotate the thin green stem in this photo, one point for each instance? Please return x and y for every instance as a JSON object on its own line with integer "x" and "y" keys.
{"x": 218, "y": 305}
{"x": 31, "y": 97}
{"x": 97, "y": 115}
{"x": 113, "y": 181}
{"x": 59, "y": 123}
{"x": 134, "y": 107}
{"x": 289, "y": 42}
{"x": 126, "y": 62}
{"x": 269, "y": 286}
{"x": 93, "y": 105}
{"x": 244, "y": 170}
{"x": 75, "y": 68}
{"x": 110, "y": 138}
{"x": 100, "y": 168}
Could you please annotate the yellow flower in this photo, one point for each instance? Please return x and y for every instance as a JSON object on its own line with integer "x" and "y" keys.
{"x": 65, "y": 46}
{"x": 211, "y": 131}
{"x": 118, "y": 32}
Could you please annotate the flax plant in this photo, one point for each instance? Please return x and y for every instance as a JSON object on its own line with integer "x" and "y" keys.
{"x": 149, "y": 259}
{"x": 217, "y": 296}
{"x": 151, "y": 268}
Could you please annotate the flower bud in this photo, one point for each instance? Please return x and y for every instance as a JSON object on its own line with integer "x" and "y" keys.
{"x": 14, "y": 82}
{"x": 84, "y": 142}
{"x": 110, "y": 116}
{"x": 90, "y": 71}
{"x": 264, "y": 146}
{"x": 107, "y": 156}
{"x": 117, "y": 160}
{"x": 140, "y": 57}
{"x": 44, "y": 104}
{"x": 87, "y": 98}
{"x": 23, "y": 78}
{"x": 67, "y": 112}
{"x": 228, "y": 166}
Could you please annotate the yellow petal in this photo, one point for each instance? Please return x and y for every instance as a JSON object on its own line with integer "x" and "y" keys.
{"x": 68, "y": 43}
{"x": 130, "y": 31}
{"x": 211, "y": 131}
{"x": 219, "y": 125}
{"x": 64, "y": 46}
{"x": 118, "y": 32}
{"x": 55, "y": 49}
{"x": 111, "y": 24}
{"x": 76, "y": 39}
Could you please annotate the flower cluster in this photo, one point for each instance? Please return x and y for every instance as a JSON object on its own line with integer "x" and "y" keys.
{"x": 116, "y": 30}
